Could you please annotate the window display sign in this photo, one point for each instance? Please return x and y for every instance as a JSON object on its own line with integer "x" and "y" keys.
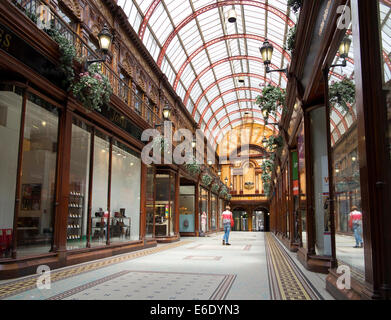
{"x": 295, "y": 173}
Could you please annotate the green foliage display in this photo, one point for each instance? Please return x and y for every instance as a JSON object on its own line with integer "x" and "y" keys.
{"x": 67, "y": 57}
{"x": 271, "y": 98}
{"x": 91, "y": 88}
{"x": 267, "y": 166}
{"x": 343, "y": 92}
{"x": 274, "y": 143}
{"x": 291, "y": 40}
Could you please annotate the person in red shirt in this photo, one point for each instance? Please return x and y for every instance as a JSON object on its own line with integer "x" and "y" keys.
{"x": 227, "y": 222}
{"x": 355, "y": 223}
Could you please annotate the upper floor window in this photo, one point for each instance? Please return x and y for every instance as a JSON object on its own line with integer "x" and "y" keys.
{"x": 67, "y": 18}
{"x": 138, "y": 99}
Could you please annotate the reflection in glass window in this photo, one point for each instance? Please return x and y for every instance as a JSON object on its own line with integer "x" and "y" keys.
{"x": 346, "y": 177}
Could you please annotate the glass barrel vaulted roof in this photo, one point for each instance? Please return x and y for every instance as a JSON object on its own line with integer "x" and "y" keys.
{"x": 203, "y": 55}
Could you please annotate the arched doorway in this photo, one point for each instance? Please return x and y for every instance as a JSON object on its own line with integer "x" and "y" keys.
{"x": 261, "y": 219}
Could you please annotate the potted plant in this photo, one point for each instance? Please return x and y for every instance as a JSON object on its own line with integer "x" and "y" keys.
{"x": 343, "y": 93}
{"x": 271, "y": 98}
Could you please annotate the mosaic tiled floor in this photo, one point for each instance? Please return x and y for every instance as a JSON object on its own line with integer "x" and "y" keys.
{"x": 13, "y": 287}
{"x": 254, "y": 267}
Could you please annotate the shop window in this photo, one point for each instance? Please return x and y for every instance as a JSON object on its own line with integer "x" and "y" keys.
{"x": 38, "y": 178}
{"x": 99, "y": 213}
{"x": 138, "y": 100}
{"x": 302, "y": 216}
{"x": 213, "y": 209}
{"x": 148, "y": 111}
{"x": 10, "y": 115}
{"x": 320, "y": 178}
{"x": 221, "y": 209}
{"x": 385, "y": 23}
{"x": 186, "y": 209}
{"x": 164, "y": 204}
{"x": 125, "y": 194}
{"x": 124, "y": 87}
{"x": 204, "y": 211}
{"x": 150, "y": 185}
{"x": 66, "y": 18}
{"x": 77, "y": 227}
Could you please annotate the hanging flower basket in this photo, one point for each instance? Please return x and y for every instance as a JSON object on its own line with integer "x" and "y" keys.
{"x": 206, "y": 180}
{"x": 193, "y": 167}
{"x": 228, "y": 197}
{"x": 92, "y": 89}
{"x": 224, "y": 191}
{"x": 215, "y": 187}
{"x": 343, "y": 93}
{"x": 271, "y": 98}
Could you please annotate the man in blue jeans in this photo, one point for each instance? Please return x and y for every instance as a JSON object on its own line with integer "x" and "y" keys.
{"x": 227, "y": 218}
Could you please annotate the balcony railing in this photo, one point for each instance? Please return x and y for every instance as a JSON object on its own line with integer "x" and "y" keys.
{"x": 45, "y": 17}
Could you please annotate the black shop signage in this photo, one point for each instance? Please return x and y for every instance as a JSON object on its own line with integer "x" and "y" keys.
{"x": 13, "y": 45}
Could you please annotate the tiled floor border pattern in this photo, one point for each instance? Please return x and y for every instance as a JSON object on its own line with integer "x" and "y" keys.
{"x": 17, "y": 286}
{"x": 286, "y": 280}
{"x": 220, "y": 292}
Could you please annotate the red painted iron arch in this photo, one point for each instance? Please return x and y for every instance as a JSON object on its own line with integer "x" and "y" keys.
{"x": 189, "y": 18}
{"x": 225, "y": 60}
{"x": 253, "y": 75}
{"x": 223, "y": 38}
